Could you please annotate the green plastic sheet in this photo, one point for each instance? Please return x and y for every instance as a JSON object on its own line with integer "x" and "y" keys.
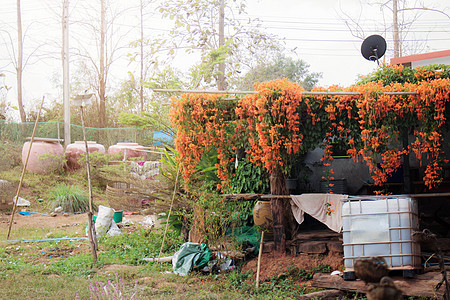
{"x": 190, "y": 256}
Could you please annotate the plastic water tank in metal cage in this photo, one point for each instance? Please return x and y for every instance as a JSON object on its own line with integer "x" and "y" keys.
{"x": 381, "y": 226}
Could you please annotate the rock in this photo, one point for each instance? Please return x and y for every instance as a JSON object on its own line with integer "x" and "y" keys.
{"x": 335, "y": 246}
{"x": 371, "y": 269}
{"x": 312, "y": 247}
{"x": 385, "y": 290}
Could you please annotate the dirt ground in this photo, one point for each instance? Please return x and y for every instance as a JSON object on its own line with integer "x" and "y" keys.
{"x": 273, "y": 264}
{"x": 70, "y": 223}
{"x": 38, "y": 220}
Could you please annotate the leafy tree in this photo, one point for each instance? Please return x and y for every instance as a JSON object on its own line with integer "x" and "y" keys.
{"x": 109, "y": 40}
{"x": 4, "y": 105}
{"x": 156, "y": 115}
{"x": 196, "y": 30}
{"x": 281, "y": 66}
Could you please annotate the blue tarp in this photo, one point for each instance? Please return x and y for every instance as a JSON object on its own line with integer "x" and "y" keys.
{"x": 161, "y": 138}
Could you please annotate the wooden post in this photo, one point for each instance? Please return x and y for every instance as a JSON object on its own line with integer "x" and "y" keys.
{"x": 91, "y": 228}
{"x": 16, "y": 198}
{"x": 279, "y": 233}
{"x": 278, "y": 187}
{"x": 258, "y": 268}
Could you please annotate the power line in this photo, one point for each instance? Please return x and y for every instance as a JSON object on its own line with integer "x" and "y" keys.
{"x": 327, "y": 21}
{"x": 344, "y": 30}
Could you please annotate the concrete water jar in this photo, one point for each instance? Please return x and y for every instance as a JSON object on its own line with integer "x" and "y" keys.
{"x": 130, "y": 149}
{"x": 45, "y": 156}
{"x": 77, "y": 149}
{"x": 262, "y": 216}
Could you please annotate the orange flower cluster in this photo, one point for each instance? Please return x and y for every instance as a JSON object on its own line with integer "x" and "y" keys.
{"x": 386, "y": 119}
{"x": 279, "y": 121}
{"x": 272, "y": 122}
{"x": 203, "y": 122}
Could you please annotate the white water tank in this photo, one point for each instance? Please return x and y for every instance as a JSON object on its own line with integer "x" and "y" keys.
{"x": 381, "y": 226}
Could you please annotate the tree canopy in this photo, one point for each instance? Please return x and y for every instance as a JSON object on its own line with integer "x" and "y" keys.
{"x": 281, "y": 66}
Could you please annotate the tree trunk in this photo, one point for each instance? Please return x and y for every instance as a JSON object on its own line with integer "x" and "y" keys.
{"x": 278, "y": 187}
{"x": 65, "y": 65}
{"x": 221, "y": 76}
{"x": 141, "y": 79}
{"x": 19, "y": 67}
{"x": 102, "y": 71}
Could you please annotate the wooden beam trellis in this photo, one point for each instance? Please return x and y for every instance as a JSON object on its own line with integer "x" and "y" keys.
{"x": 201, "y": 92}
{"x": 256, "y": 92}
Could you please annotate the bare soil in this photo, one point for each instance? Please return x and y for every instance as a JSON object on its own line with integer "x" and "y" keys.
{"x": 273, "y": 264}
{"x": 72, "y": 223}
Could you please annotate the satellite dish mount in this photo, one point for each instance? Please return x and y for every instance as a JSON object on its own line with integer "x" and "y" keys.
{"x": 373, "y": 48}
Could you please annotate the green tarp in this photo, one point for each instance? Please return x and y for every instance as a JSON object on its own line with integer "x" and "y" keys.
{"x": 190, "y": 255}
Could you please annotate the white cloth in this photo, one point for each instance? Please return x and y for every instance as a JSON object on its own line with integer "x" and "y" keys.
{"x": 314, "y": 205}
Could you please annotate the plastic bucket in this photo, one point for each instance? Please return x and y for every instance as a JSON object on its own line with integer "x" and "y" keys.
{"x": 118, "y": 215}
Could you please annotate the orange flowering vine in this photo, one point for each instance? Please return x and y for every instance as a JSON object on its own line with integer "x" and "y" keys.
{"x": 203, "y": 122}
{"x": 279, "y": 123}
{"x": 373, "y": 118}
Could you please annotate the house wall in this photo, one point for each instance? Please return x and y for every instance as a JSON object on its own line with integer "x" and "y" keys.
{"x": 440, "y": 60}
{"x": 356, "y": 173}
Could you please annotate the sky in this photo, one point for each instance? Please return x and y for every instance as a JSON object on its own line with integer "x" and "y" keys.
{"x": 316, "y": 29}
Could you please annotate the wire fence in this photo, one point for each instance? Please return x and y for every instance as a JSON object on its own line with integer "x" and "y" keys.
{"x": 16, "y": 133}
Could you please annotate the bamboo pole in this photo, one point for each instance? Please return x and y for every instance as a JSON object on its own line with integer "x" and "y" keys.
{"x": 23, "y": 170}
{"x": 258, "y": 268}
{"x": 168, "y": 216}
{"x": 91, "y": 229}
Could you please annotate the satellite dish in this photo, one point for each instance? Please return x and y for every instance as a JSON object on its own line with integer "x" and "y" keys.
{"x": 373, "y": 47}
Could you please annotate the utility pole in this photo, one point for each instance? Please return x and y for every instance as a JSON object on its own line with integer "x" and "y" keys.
{"x": 65, "y": 59}
{"x": 221, "y": 76}
{"x": 395, "y": 33}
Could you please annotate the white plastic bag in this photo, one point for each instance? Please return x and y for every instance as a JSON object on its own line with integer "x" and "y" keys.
{"x": 22, "y": 202}
{"x": 114, "y": 230}
{"x": 104, "y": 219}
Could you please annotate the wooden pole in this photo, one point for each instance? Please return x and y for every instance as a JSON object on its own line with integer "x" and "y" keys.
{"x": 305, "y": 93}
{"x": 168, "y": 216}
{"x": 91, "y": 229}
{"x": 23, "y": 170}
{"x": 258, "y": 268}
{"x": 278, "y": 205}
{"x": 201, "y": 92}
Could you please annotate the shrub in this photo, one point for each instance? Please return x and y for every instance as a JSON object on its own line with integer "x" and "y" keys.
{"x": 70, "y": 197}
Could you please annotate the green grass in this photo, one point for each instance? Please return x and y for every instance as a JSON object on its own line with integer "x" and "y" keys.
{"x": 26, "y": 233}
{"x": 70, "y": 197}
{"x": 25, "y": 285}
{"x": 131, "y": 248}
{"x": 120, "y": 257}
{"x": 64, "y": 269}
